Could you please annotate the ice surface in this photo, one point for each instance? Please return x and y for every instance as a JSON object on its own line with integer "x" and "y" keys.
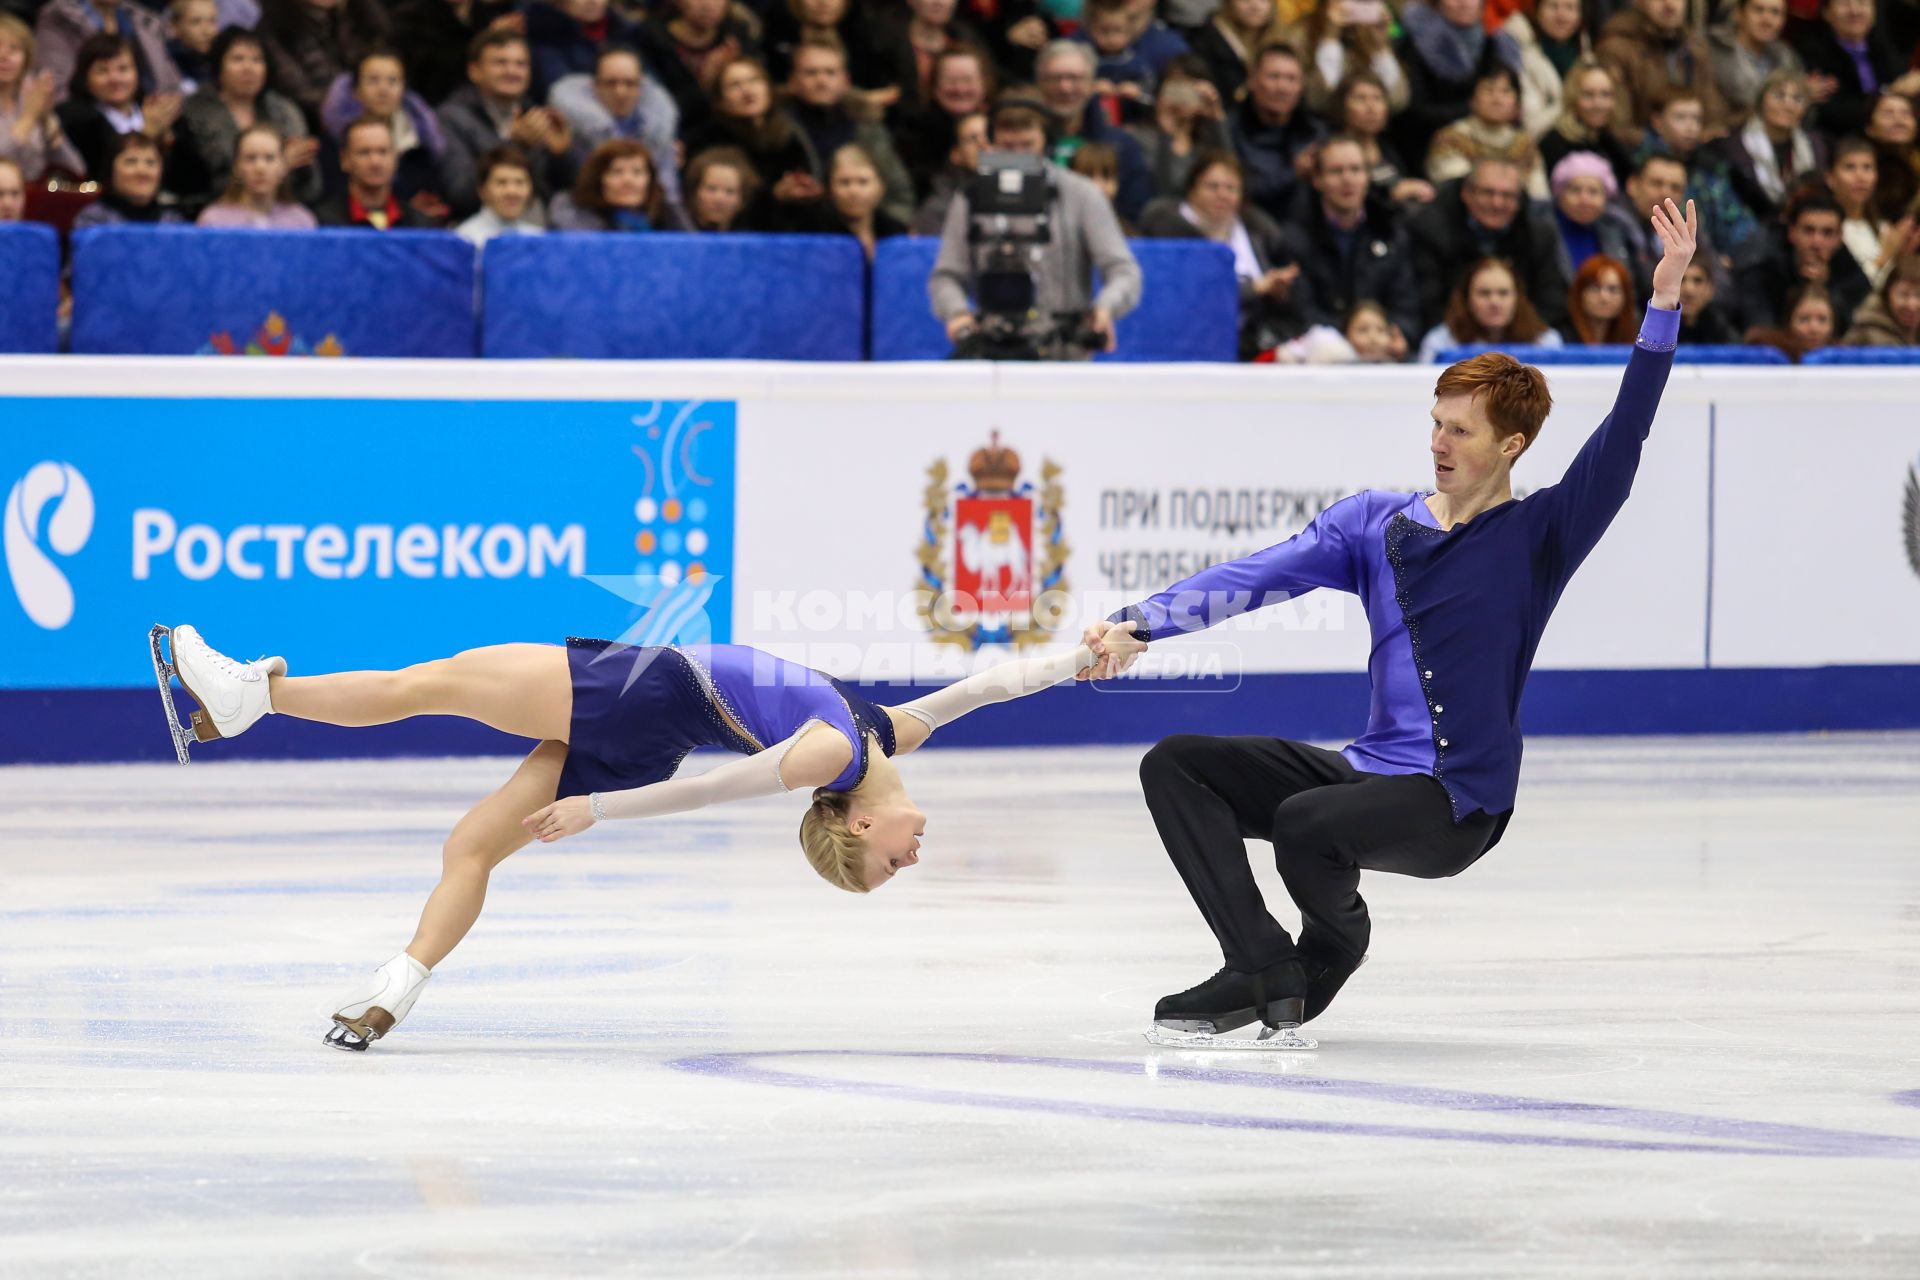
{"x": 1670, "y": 1027}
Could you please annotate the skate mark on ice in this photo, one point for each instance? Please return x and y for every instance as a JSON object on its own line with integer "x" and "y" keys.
{"x": 87, "y": 913}
{"x": 535, "y": 883}
{"x": 1685, "y": 1133}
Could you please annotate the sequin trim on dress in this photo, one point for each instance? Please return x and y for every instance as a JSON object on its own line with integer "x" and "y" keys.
{"x": 722, "y": 711}
{"x": 793, "y": 740}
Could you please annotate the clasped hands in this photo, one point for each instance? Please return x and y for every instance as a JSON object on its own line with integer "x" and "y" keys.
{"x": 1114, "y": 649}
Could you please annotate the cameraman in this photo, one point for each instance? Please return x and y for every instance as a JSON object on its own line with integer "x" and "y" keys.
{"x": 1084, "y": 234}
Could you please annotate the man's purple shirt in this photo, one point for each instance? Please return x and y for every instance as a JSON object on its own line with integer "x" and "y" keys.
{"x": 1455, "y": 615}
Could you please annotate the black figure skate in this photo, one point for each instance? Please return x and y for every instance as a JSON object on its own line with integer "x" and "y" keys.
{"x": 1199, "y": 1018}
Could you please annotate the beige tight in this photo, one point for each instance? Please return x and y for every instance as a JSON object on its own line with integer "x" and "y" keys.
{"x": 522, "y": 689}
{"x": 481, "y": 841}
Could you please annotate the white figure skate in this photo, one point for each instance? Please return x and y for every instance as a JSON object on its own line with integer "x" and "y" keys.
{"x": 232, "y": 695}
{"x": 395, "y": 986}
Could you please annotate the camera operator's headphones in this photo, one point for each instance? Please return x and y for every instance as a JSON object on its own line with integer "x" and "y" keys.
{"x": 1025, "y": 101}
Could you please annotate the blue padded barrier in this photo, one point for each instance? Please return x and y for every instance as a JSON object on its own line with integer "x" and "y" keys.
{"x": 163, "y": 291}
{"x": 1863, "y": 355}
{"x": 1727, "y": 353}
{"x": 30, "y": 265}
{"x": 1528, "y": 354}
{"x": 1704, "y": 353}
{"x": 1189, "y": 304}
{"x": 904, "y": 327}
{"x": 670, "y": 296}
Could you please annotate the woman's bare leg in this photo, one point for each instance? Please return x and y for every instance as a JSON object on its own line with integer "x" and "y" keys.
{"x": 522, "y": 689}
{"x": 481, "y": 841}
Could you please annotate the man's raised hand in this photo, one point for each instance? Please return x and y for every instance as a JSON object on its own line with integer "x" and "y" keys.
{"x": 1680, "y": 237}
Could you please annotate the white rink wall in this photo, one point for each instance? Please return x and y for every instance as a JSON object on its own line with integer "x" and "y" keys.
{"x": 1775, "y": 525}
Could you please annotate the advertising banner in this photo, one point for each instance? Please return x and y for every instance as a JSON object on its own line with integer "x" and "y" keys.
{"x": 907, "y": 524}
{"x": 356, "y": 533}
{"x": 1026, "y": 516}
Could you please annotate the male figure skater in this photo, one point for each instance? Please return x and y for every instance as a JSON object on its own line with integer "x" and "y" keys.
{"x": 1458, "y": 585}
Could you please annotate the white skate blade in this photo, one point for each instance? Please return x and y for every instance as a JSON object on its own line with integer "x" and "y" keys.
{"x": 1270, "y": 1040}
{"x": 164, "y": 672}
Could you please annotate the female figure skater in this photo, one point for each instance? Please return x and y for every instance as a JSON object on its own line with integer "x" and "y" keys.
{"x": 1458, "y": 585}
{"x": 614, "y": 722}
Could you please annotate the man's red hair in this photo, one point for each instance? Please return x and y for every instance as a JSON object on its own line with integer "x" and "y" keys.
{"x": 1514, "y": 394}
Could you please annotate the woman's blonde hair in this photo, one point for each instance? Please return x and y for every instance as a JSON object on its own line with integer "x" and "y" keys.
{"x": 832, "y": 849}
{"x": 11, "y": 28}
{"x": 1568, "y": 125}
{"x": 1251, "y": 39}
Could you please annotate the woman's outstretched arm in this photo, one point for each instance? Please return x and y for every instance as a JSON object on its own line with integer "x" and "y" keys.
{"x": 803, "y": 760}
{"x": 1001, "y": 683}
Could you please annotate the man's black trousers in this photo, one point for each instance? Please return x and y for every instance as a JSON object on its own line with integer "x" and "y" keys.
{"x": 1327, "y": 820}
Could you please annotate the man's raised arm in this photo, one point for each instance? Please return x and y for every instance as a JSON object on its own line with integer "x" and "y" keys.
{"x": 1601, "y": 475}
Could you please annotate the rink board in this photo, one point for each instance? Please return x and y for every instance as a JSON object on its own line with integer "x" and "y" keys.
{"x": 1765, "y": 574}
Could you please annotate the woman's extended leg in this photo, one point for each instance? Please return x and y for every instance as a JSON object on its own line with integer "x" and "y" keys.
{"x": 481, "y": 841}
{"x": 485, "y": 837}
{"x": 522, "y": 689}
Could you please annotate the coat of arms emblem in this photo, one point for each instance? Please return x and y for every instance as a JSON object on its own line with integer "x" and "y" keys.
{"x": 992, "y": 558}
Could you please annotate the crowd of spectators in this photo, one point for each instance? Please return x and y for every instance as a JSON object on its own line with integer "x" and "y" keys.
{"x": 1394, "y": 178}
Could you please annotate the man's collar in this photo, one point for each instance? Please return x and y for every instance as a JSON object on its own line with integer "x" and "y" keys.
{"x": 357, "y": 211}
